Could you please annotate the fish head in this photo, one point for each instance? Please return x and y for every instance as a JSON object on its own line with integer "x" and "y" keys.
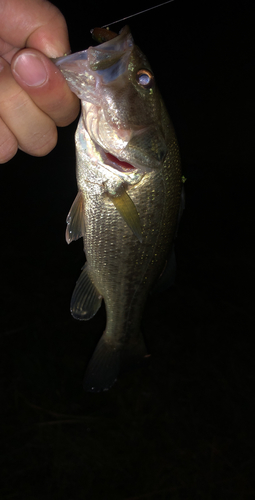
{"x": 121, "y": 105}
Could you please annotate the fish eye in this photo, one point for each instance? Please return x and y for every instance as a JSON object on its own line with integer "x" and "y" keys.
{"x": 145, "y": 78}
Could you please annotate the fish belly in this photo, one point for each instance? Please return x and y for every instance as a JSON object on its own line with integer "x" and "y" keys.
{"x": 123, "y": 269}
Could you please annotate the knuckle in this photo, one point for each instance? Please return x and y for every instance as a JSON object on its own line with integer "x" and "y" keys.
{"x": 63, "y": 107}
{"x": 15, "y": 103}
{"x": 40, "y": 144}
{"x": 8, "y": 147}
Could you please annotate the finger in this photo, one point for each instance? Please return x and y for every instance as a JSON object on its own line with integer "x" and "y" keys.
{"x": 34, "y": 23}
{"x": 45, "y": 85}
{"x": 8, "y": 143}
{"x": 7, "y": 51}
{"x": 35, "y": 131}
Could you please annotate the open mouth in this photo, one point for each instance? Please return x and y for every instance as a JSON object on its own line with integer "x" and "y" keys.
{"x": 122, "y": 165}
{"x": 114, "y": 162}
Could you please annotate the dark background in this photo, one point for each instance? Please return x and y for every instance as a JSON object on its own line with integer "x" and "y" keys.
{"x": 183, "y": 425}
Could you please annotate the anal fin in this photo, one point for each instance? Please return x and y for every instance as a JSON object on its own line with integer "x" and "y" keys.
{"x": 86, "y": 300}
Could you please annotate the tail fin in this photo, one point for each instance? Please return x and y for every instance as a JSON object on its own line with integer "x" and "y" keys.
{"x": 107, "y": 360}
{"x": 103, "y": 368}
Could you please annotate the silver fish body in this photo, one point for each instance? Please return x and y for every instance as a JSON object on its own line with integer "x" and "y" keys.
{"x": 129, "y": 185}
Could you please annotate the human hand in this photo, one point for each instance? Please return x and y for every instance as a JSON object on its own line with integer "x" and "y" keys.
{"x": 34, "y": 96}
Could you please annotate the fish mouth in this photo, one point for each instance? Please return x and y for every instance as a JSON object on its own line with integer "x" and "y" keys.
{"x": 143, "y": 150}
{"x": 121, "y": 165}
{"x": 115, "y": 162}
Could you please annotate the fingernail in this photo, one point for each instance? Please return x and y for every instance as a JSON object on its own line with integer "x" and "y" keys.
{"x": 30, "y": 69}
{"x": 56, "y": 50}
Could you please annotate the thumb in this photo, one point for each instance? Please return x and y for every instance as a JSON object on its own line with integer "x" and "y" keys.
{"x": 45, "y": 85}
{"x": 35, "y": 24}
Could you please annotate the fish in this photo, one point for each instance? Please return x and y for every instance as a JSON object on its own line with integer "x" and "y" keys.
{"x": 129, "y": 195}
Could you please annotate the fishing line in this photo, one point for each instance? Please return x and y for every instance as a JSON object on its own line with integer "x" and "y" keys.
{"x": 133, "y": 15}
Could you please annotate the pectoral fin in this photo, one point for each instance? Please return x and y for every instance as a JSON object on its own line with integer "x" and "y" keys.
{"x": 128, "y": 212}
{"x": 75, "y": 220}
{"x": 86, "y": 299}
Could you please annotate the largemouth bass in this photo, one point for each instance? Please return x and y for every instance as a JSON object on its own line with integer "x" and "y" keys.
{"x": 129, "y": 186}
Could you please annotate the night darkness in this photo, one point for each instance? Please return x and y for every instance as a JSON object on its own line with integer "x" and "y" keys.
{"x": 182, "y": 425}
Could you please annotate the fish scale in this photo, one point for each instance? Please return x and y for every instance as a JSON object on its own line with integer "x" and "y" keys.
{"x": 129, "y": 200}
{"x": 124, "y": 270}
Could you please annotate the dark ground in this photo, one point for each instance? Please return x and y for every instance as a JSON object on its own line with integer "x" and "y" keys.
{"x": 181, "y": 427}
